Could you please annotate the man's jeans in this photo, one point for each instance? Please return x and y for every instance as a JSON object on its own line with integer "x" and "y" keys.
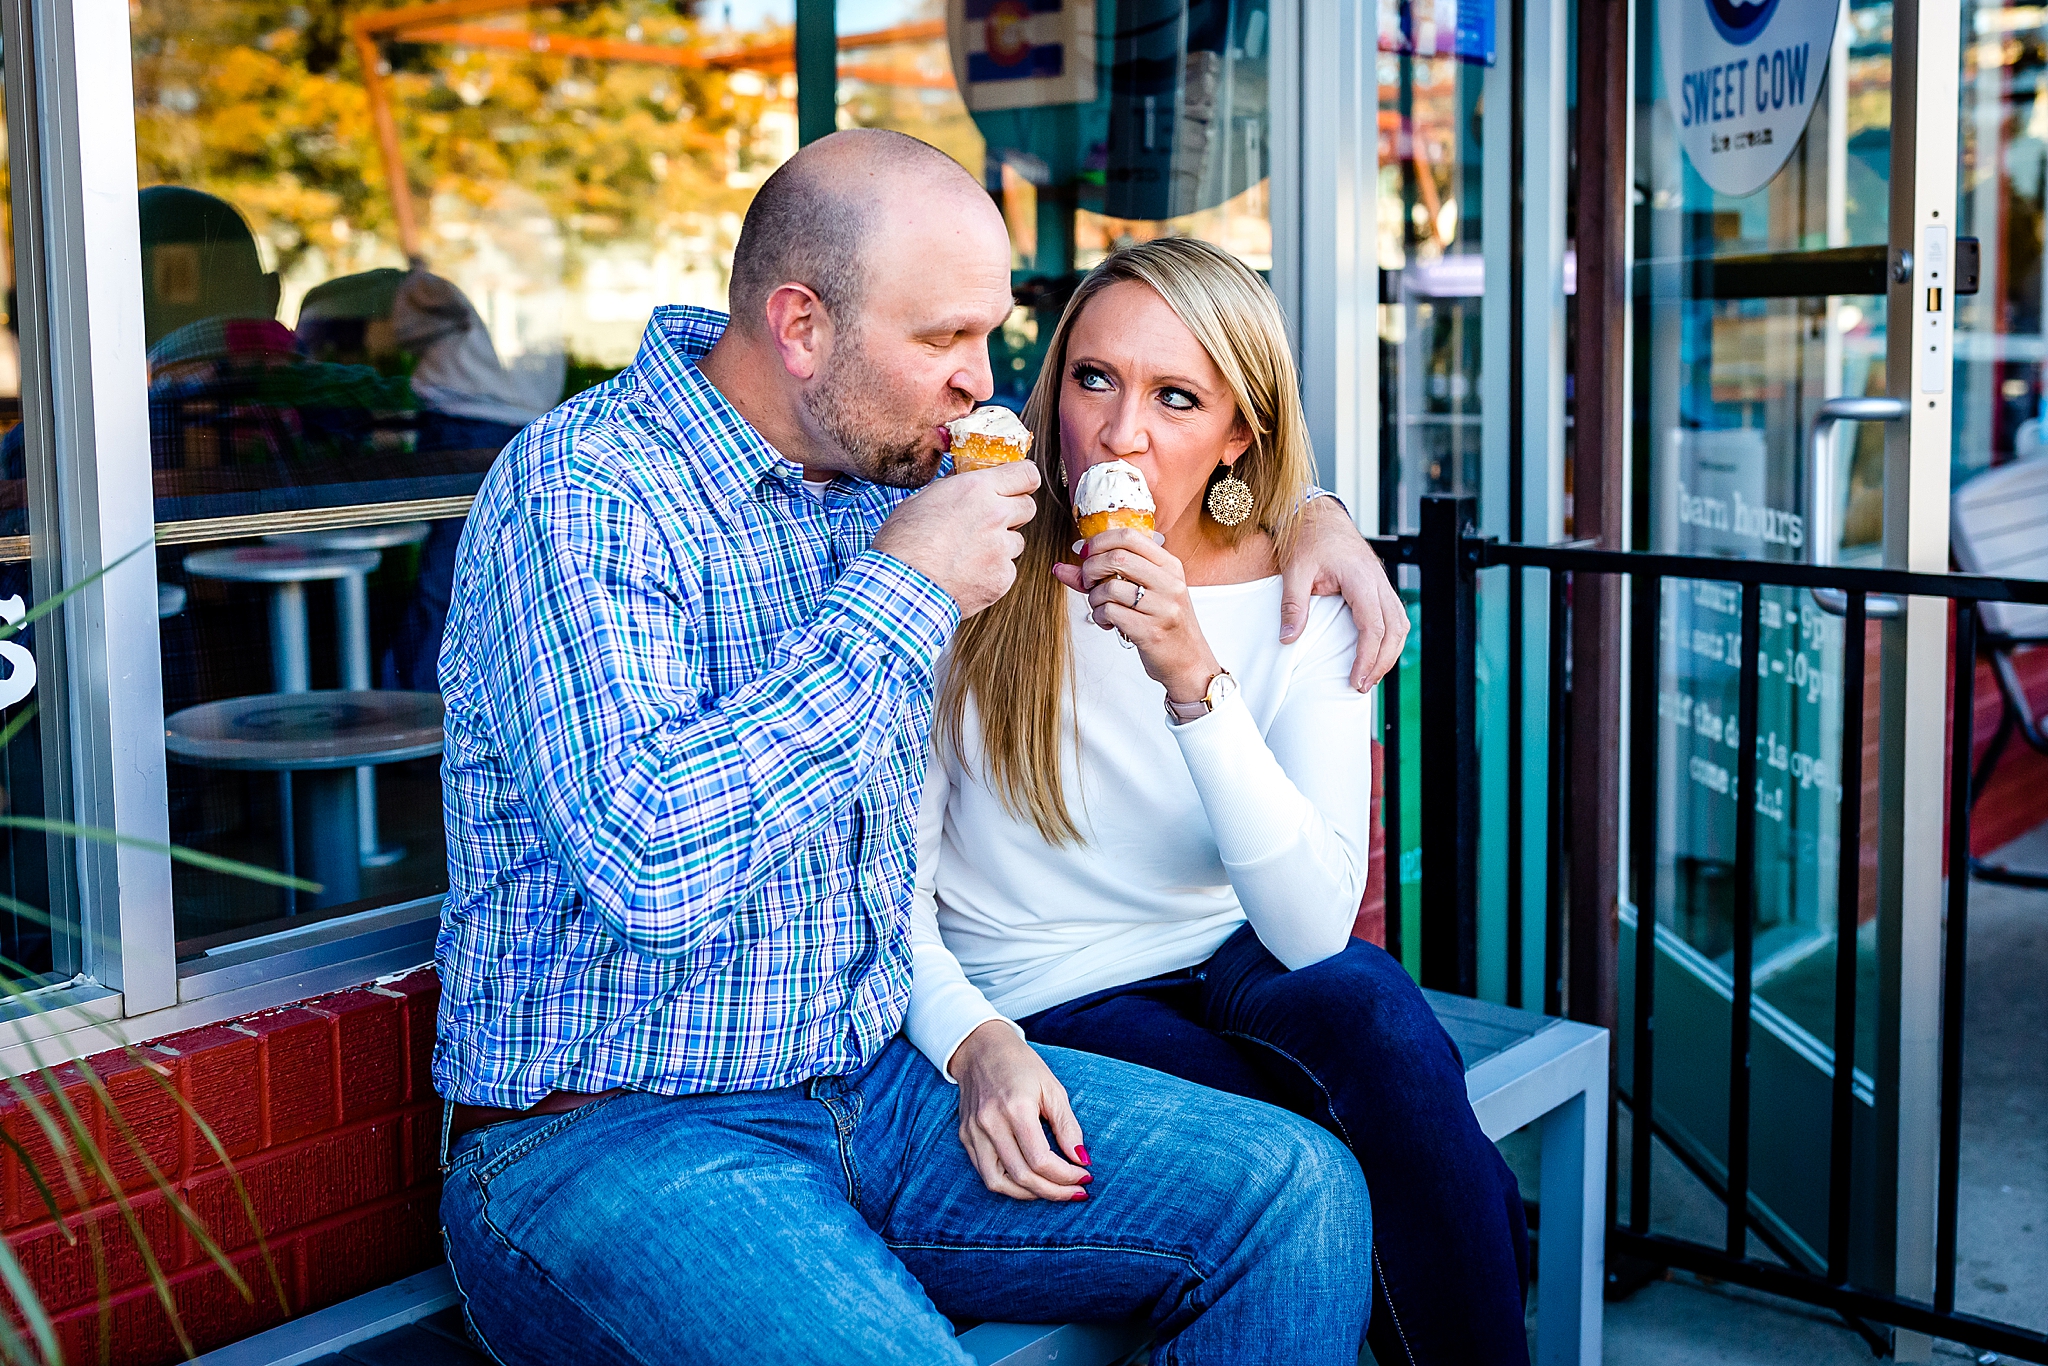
{"x": 841, "y": 1222}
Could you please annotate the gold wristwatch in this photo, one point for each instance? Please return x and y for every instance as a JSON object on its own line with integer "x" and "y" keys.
{"x": 1221, "y": 689}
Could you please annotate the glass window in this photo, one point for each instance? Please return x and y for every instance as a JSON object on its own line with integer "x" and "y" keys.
{"x": 376, "y": 243}
{"x": 1434, "y": 407}
{"x": 2001, "y": 335}
{"x": 1432, "y": 272}
{"x": 1093, "y": 124}
{"x": 36, "y": 907}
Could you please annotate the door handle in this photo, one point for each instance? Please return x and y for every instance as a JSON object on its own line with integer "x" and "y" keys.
{"x": 1821, "y": 533}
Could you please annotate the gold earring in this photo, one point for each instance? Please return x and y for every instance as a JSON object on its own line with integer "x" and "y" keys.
{"x": 1230, "y": 499}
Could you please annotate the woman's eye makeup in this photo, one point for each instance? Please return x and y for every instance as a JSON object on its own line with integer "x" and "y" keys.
{"x": 1093, "y": 379}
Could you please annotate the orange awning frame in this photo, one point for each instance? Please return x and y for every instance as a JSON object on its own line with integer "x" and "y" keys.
{"x": 440, "y": 22}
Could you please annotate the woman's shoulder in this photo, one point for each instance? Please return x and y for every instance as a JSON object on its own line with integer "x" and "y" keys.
{"x": 1242, "y": 621}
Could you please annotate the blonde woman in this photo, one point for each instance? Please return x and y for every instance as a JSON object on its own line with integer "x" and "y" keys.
{"x": 1144, "y": 832}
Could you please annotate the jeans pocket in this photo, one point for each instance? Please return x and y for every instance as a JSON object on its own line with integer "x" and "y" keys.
{"x": 526, "y": 1136}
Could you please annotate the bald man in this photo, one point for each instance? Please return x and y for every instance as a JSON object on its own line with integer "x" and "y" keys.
{"x": 688, "y": 673}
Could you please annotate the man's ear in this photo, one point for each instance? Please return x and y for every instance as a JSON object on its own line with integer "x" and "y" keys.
{"x": 799, "y": 329}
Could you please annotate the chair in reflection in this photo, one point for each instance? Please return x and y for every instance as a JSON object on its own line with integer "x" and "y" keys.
{"x": 352, "y": 639}
{"x": 1998, "y": 524}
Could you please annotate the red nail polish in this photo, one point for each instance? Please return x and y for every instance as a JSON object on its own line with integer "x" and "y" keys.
{"x": 1086, "y": 1177}
{"x": 1080, "y": 1195}
{"x": 1080, "y": 1154}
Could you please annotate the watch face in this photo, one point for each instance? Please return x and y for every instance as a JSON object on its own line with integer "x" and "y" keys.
{"x": 1222, "y": 688}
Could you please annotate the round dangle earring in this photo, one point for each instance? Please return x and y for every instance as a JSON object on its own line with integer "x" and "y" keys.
{"x": 1230, "y": 499}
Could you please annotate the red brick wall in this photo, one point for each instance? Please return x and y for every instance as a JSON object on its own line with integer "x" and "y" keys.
{"x": 327, "y": 1113}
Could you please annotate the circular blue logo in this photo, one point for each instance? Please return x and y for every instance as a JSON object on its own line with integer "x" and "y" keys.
{"x": 1740, "y": 21}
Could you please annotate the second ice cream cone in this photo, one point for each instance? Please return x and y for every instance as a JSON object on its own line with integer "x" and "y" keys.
{"x": 1110, "y": 495}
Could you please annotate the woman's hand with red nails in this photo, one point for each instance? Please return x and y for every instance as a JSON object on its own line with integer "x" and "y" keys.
{"x": 1007, "y": 1098}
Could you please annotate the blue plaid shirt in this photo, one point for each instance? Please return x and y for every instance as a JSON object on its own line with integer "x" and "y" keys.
{"x": 687, "y": 711}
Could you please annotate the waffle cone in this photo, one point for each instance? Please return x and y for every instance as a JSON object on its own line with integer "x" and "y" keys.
{"x": 978, "y": 452}
{"x": 1095, "y": 523}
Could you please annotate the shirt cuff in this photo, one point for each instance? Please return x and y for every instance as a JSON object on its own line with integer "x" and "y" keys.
{"x": 944, "y": 1009}
{"x": 896, "y": 604}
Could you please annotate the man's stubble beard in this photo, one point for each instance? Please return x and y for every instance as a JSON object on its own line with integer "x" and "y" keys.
{"x": 850, "y": 409}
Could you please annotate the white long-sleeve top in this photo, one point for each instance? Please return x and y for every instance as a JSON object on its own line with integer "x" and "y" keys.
{"x": 1258, "y": 811}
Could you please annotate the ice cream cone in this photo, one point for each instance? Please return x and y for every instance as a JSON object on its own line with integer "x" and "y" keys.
{"x": 1110, "y": 495}
{"x": 988, "y": 436}
{"x": 1095, "y": 523}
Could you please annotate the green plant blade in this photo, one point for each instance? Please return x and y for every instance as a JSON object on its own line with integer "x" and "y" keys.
{"x": 48, "y": 1196}
{"x": 213, "y": 862}
{"x": 15, "y": 724}
{"x": 63, "y": 595}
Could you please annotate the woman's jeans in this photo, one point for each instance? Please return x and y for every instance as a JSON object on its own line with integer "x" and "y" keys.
{"x": 1351, "y": 1043}
{"x": 841, "y": 1222}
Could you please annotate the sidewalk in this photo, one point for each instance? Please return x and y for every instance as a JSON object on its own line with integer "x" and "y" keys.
{"x": 2003, "y": 1226}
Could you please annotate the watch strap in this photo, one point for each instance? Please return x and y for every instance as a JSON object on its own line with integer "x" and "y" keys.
{"x": 1201, "y": 706}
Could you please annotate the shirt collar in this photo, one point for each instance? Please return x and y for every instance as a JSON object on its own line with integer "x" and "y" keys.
{"x": 734, "y": 456}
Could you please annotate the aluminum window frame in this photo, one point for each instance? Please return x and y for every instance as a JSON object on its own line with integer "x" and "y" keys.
{"x": 1324, "y": 206}
{"x": 79, "y": 267}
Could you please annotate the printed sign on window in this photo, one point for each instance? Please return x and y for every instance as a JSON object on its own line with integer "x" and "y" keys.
{"x": 1022, "y": 54}
{"x": 1742, "y": 77}
{"x": 1438, "y": 28}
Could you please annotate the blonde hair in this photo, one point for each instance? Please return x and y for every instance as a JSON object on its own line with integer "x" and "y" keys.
{"x": 1016, "y": 658}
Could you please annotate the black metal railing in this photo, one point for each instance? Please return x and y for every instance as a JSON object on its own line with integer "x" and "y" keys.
{"x": 1449, "y": 557}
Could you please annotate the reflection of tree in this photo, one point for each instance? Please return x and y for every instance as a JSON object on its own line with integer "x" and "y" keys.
{"x": 908, "y": 86}
{"x": 261, "y": 102}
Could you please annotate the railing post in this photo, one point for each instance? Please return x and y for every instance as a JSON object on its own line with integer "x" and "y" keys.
{"x": 1449, "y": 749}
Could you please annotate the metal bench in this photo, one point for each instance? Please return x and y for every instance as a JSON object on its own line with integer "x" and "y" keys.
{"x": 1520, "y": 1069}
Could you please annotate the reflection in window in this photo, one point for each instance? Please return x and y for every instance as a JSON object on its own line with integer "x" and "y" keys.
{"x": 1433, "y": 275}
{"x": 378, "y": 241}
{"x": 1093, "y": 125}
{"x": 2002, "y": 333}
{"x": 31, "y": 905}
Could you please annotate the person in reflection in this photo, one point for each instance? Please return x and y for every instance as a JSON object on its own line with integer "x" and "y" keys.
{"x": 467, "y": 402}
{"x": 1178, "y": 890}
{"x": 228, "y": 387}
{"x": 689, "y": 680}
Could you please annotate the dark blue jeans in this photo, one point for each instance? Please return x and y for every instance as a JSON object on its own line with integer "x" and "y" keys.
{"x": 841, "y": 1222}
{"x": 1350, "y": 1043}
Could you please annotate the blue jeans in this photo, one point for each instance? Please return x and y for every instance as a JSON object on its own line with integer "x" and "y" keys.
{"x": 841, "y": 1222}
{"x": 1351, "y": 1043}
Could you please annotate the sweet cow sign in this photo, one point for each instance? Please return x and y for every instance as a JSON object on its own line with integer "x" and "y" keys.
{"x": 1742, "y": 79}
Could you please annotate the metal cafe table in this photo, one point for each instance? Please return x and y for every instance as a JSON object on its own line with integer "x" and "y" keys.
{"x": 352, "y": 631}
{"x": 287, "y": 569}
{"x": 315, "y": 741}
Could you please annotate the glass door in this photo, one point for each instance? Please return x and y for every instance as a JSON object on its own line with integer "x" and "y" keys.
{"x": 1762, "y": 169}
